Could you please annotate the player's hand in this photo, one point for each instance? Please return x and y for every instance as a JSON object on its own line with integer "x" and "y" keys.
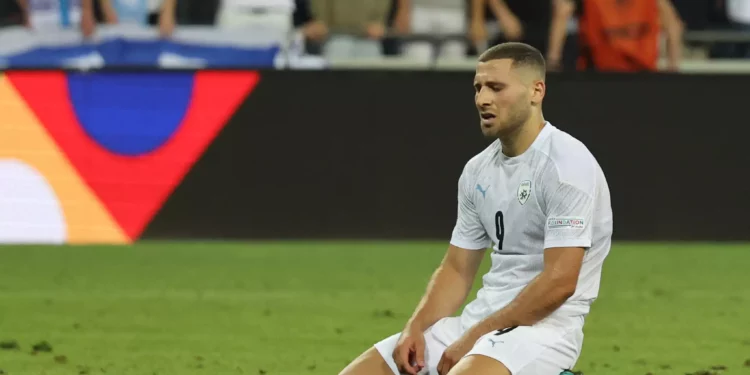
{"x": 454, "y": 353}
{"x": 409, "y": 352}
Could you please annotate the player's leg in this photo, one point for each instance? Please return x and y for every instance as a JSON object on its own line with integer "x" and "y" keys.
{"x": 547, "y": 348}
{"x": 379, "y": 359}
{"x": 480, "y": 365}
{"x": 370, "y": 362}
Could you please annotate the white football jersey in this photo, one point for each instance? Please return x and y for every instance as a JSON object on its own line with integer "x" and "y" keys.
{"x": 553, "y": 195}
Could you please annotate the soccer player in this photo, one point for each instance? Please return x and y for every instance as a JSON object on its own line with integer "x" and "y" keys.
{"x": 541, "y": 198}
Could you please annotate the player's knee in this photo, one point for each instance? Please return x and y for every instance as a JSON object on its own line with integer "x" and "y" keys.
{"x": 370, "y": 362}
{"x": 479, "y": 365}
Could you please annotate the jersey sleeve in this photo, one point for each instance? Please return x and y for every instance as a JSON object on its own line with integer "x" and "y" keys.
{"x": 570, "y": 184}
{"x": 570, "y": 211}
{"x": 468, "y": 232}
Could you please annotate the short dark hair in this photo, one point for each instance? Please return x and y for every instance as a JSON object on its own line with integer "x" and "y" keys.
{"x": 521, "y": 54}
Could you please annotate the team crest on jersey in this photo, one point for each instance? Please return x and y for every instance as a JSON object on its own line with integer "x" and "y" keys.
{"x": 524, "y": 191}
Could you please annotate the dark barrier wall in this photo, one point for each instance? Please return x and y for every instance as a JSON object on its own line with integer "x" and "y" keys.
{"x": 91, "y": 157}
{"x": 378, "y": 155}
{"x": 120, "y": 156}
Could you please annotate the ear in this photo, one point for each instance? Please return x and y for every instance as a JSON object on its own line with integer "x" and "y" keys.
{"x": 538, "y": 90}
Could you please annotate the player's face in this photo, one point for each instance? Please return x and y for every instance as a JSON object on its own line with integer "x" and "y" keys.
{"x": 502, "y": 97}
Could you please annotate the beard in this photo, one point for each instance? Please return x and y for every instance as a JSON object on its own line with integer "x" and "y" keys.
{"x": 517, "y": 116}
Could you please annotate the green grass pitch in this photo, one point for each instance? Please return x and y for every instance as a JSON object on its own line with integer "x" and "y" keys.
{"x": 310, "y": 307}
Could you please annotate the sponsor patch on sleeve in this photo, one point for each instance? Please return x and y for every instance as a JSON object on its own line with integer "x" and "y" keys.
{"x": 566, "y": 223}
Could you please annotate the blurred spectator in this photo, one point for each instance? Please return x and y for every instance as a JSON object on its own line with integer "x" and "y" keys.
{"x": 159, "y": 13}
{"x": 527, "y": 21}
{"x": 273, "y": 14}
{"x": 198, "y": 12}
{"x": 699, "y": 15}
{"x": 356, "y": 28}
{"x": 10, "y": 13}
{"x": 314, "y": 32}
{"x": 391, "y": 43}
{"x": 738, "y": 13}
{"x": 55, "y": 14}
{"x": 621, "y": 35}
{"x": 432, "y": 17}
{"x": 163, "y": 13}
{"x": 482, "y": 22}
{"x": 696, "y": 14}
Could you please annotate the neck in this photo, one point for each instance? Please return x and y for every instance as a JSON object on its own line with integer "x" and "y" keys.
{"x": 518, "y": 141}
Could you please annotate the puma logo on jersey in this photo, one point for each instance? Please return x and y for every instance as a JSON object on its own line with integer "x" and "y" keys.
{"x": 483, "y": 191}
{"x": 496, "y": 342}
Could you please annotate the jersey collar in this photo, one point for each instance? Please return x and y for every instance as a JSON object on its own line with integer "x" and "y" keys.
{"x": 543, "y": 134}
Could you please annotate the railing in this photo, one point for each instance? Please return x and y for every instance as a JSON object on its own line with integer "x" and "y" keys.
{"x": 688, "y": 65}
{"x": 13, "y": 40}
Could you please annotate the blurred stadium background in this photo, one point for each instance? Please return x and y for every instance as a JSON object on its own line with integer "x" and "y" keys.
{"x": 265, "y": 186}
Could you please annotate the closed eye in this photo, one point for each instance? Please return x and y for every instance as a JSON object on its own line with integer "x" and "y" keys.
{"x": 494, "y": 86}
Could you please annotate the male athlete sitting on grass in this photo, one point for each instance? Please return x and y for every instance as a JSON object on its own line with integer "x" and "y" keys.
{"x": 540, "y": 196}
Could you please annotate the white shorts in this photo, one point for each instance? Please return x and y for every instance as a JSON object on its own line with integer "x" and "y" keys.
{"x": 549, "y": 347}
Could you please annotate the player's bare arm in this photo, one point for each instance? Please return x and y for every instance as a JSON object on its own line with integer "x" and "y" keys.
{"x": 446, "y": 292}
{"x": 545, "y": 294}
{"x": 448, "y": 287}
